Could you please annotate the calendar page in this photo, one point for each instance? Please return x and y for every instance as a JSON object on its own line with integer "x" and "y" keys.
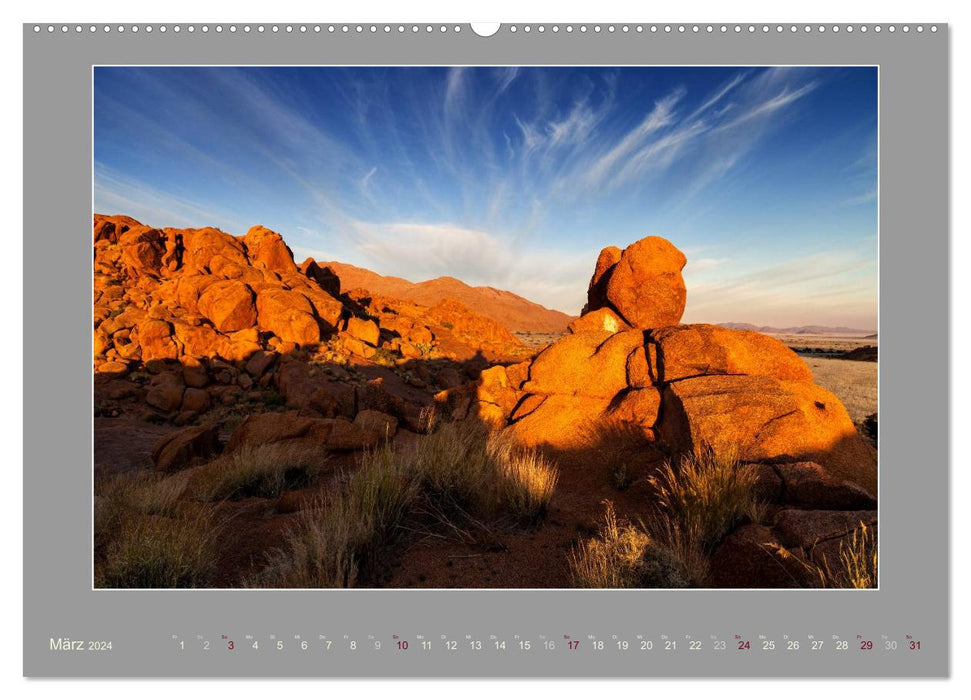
{"x": 594, "y": 350}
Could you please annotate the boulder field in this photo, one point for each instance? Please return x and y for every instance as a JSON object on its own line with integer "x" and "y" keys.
{"x": 192, "y": 324}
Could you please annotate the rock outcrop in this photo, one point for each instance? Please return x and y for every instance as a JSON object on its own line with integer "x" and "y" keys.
{"x": 628, "y": 366}
{"x": 188, "y": 322}
{"x": 642, "y": 283}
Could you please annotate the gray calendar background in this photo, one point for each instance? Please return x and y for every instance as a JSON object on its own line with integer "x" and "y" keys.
{"x": 914, "y": 394}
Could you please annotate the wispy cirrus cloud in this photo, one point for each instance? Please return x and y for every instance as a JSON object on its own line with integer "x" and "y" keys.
{"x": 509, "y": 176}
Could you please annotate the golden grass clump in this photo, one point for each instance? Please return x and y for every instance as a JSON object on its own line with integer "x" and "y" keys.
{"x": 856, "y": 565}
{"x": 136, "y": 492}
{"x": 526, "y": 484}
{"x": 467, "y": 466}
{"x": 858, "y": 560}
{"x": 459, "y": 471}
{"x": 706, "y": 496}
{"x": 319, "y": 552}
{"x": 155, "y": 551}
{"x": 263, "y": 471}
{"x": 338, "y": 539}
{"x": 698, "y": 503}
{"x": 623, "y": 555}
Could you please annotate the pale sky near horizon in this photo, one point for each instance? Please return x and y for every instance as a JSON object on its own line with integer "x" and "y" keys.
{"x": 515, "y": 178}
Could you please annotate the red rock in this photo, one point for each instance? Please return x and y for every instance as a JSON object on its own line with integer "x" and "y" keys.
{"x": 185, "y": 418}
{"x": 155, "y": 339}
{"x": 270, "y": 428}
{"x": 229, "y": 305}
{"x": 194, "y": 373}
{"x": 109, "y": 228}
{"x": 241, "y": 345}
{"x": 288, "y": 315}
{"x": 749, "y": 558}
{"x": 196, "y": 400}
{"x": 562, "y": 422}
{"x": 327, "y": 308}
{"x": 364, "y": 330}
{"x": 333, "y": 400}
{"x": 185, "y": 448}
{"x": 198, "y": 341}
{"x": 165, "y": 393}
{"x": 204, "y": 244}
{"x": 810, "y": 528}
{"x": 358, "y": 347}
{"x": 638, "y": 408}
{"x": 699, "y": 349}
{"x": 602, "y": 320}
{"x": 345, "y": 435}
{"x": 323, "y": 276}
{"x": 528, "y": 404}
{"x": 764, "y": 419}
{"x": 142, "y": 250}
{"x": 496, "y": 398}
{"x": 641, "y": 367}
{"x": 268, "y": 247}
{"x": 807, "y": 484}
{"x": 645, "y": 286}
{"x": 597, "y": 289}
{"x": 584, "y": 364}
{"x": 189, "y": 288}
{"x": 260, "y": 362}
{"x": 113, "y": 369}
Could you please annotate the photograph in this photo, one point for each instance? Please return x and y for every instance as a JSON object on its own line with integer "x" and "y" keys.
{"x": 485, "y": 327}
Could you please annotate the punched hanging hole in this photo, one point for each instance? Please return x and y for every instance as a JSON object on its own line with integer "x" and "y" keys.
{"x": 485, "y": 29}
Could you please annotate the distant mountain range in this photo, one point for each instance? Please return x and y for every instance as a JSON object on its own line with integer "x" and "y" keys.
{"x": 511, "y": 310}
{"x": 801, "y": 330}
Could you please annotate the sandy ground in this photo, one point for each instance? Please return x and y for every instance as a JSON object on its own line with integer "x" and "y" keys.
{"x": 824, "y": 343}
{"x": 854, "y": 383}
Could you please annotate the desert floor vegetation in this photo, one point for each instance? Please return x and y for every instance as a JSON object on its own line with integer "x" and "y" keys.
{"x": 462, "y": 481}
{"x": 855, "y": 564}
{"x": 145, "y": 536}
{"x": 700, "y": 498}
{"x": 262, "y": 471}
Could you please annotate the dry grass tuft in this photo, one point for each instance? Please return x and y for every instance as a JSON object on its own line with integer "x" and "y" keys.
{"x": 154, "y": 551}
{"x": 699, "y": 502}
{"x": 467, "y": 467}
{"x": 624, "y": 556}
{"x": 858, "y": 560}
{"x": 526, "y": 481}
{"x": 138, "y": 492}
{"x": 856, "y": 566}
{"x": 706, "y": 496}
{"x": 457, "y": 473}
{"x": 264, "y": 471}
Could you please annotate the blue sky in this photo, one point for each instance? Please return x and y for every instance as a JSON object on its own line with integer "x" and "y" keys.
{"x": 516, "y": 177}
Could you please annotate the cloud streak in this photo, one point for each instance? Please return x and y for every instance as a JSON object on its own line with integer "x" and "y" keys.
{"x": 505, "y": 176}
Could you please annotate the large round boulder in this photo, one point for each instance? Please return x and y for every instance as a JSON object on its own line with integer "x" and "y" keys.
{"x": 229, "y": 305}
{"x": 701, "y": 349}
{"x": 764, "y": 419}
{"x": 644, "y": 286}
{"x": 288, "y": 315}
